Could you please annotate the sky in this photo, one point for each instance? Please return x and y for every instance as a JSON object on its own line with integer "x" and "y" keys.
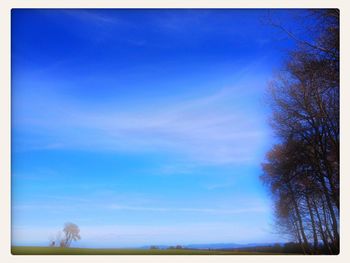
{"x": 143, "y": 127}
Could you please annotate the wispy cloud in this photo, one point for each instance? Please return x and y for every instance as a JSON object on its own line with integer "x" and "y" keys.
{"x": 207, "y": 129}
{"x": 190, "y": 210}
{"x": 91, "y": 17}
{"x": 217, "y": 186}
{"x": 86, "y": 204}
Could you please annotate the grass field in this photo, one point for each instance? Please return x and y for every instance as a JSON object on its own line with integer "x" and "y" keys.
{"x": 94, "y": 251}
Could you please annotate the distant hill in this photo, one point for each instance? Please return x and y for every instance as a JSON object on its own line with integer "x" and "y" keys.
{"x": 227, "y": 245}
{"x": 216, "y": 246}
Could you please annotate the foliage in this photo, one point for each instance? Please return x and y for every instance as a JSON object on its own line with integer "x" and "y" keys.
{"x": 71, "y": 233}
{"x": 302, "y": 170}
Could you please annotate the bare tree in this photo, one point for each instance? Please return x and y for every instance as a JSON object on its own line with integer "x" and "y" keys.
{"x": 71, "y": 232}
{"x": 302, "y": 171}
{"x": 52, "y": 242}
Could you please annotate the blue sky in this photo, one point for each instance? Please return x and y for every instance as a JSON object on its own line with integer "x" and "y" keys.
{"x": 142, "y": 126}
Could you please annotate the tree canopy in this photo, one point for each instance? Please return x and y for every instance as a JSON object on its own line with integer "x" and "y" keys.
{"x": 302, "y": 170}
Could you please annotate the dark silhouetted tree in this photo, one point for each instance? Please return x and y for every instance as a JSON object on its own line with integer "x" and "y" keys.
{"x": 302, "y": 170}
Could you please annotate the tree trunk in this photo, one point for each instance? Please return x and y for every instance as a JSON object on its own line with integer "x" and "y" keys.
{"x": 331, "y": 211}
{"x": 299, "y": 219}
{"x": 312, "y": 222}
{"x": 323, "y": 235}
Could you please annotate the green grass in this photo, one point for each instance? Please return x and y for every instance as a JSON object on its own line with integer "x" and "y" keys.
{"x": 94, "y": 251}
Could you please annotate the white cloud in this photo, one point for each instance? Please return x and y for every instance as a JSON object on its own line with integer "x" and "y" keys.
{"x": 91, "y": 17}
{"x": 207, "y": 130}
{"x": 86, "y": 204}
{"x": 190, "y": 210}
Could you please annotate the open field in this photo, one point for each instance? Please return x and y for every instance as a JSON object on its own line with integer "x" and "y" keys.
{"x": 93, "y": 251}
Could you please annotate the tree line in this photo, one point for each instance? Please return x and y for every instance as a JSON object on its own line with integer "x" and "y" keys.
{"x": 302, "y": 168}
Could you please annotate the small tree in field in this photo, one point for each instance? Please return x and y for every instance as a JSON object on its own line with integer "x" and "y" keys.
{"x": 71, "y": 232}
{"x": 52, "y": 242}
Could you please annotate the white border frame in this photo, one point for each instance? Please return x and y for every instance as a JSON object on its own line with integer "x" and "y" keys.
{"x": 5, "y": 122}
